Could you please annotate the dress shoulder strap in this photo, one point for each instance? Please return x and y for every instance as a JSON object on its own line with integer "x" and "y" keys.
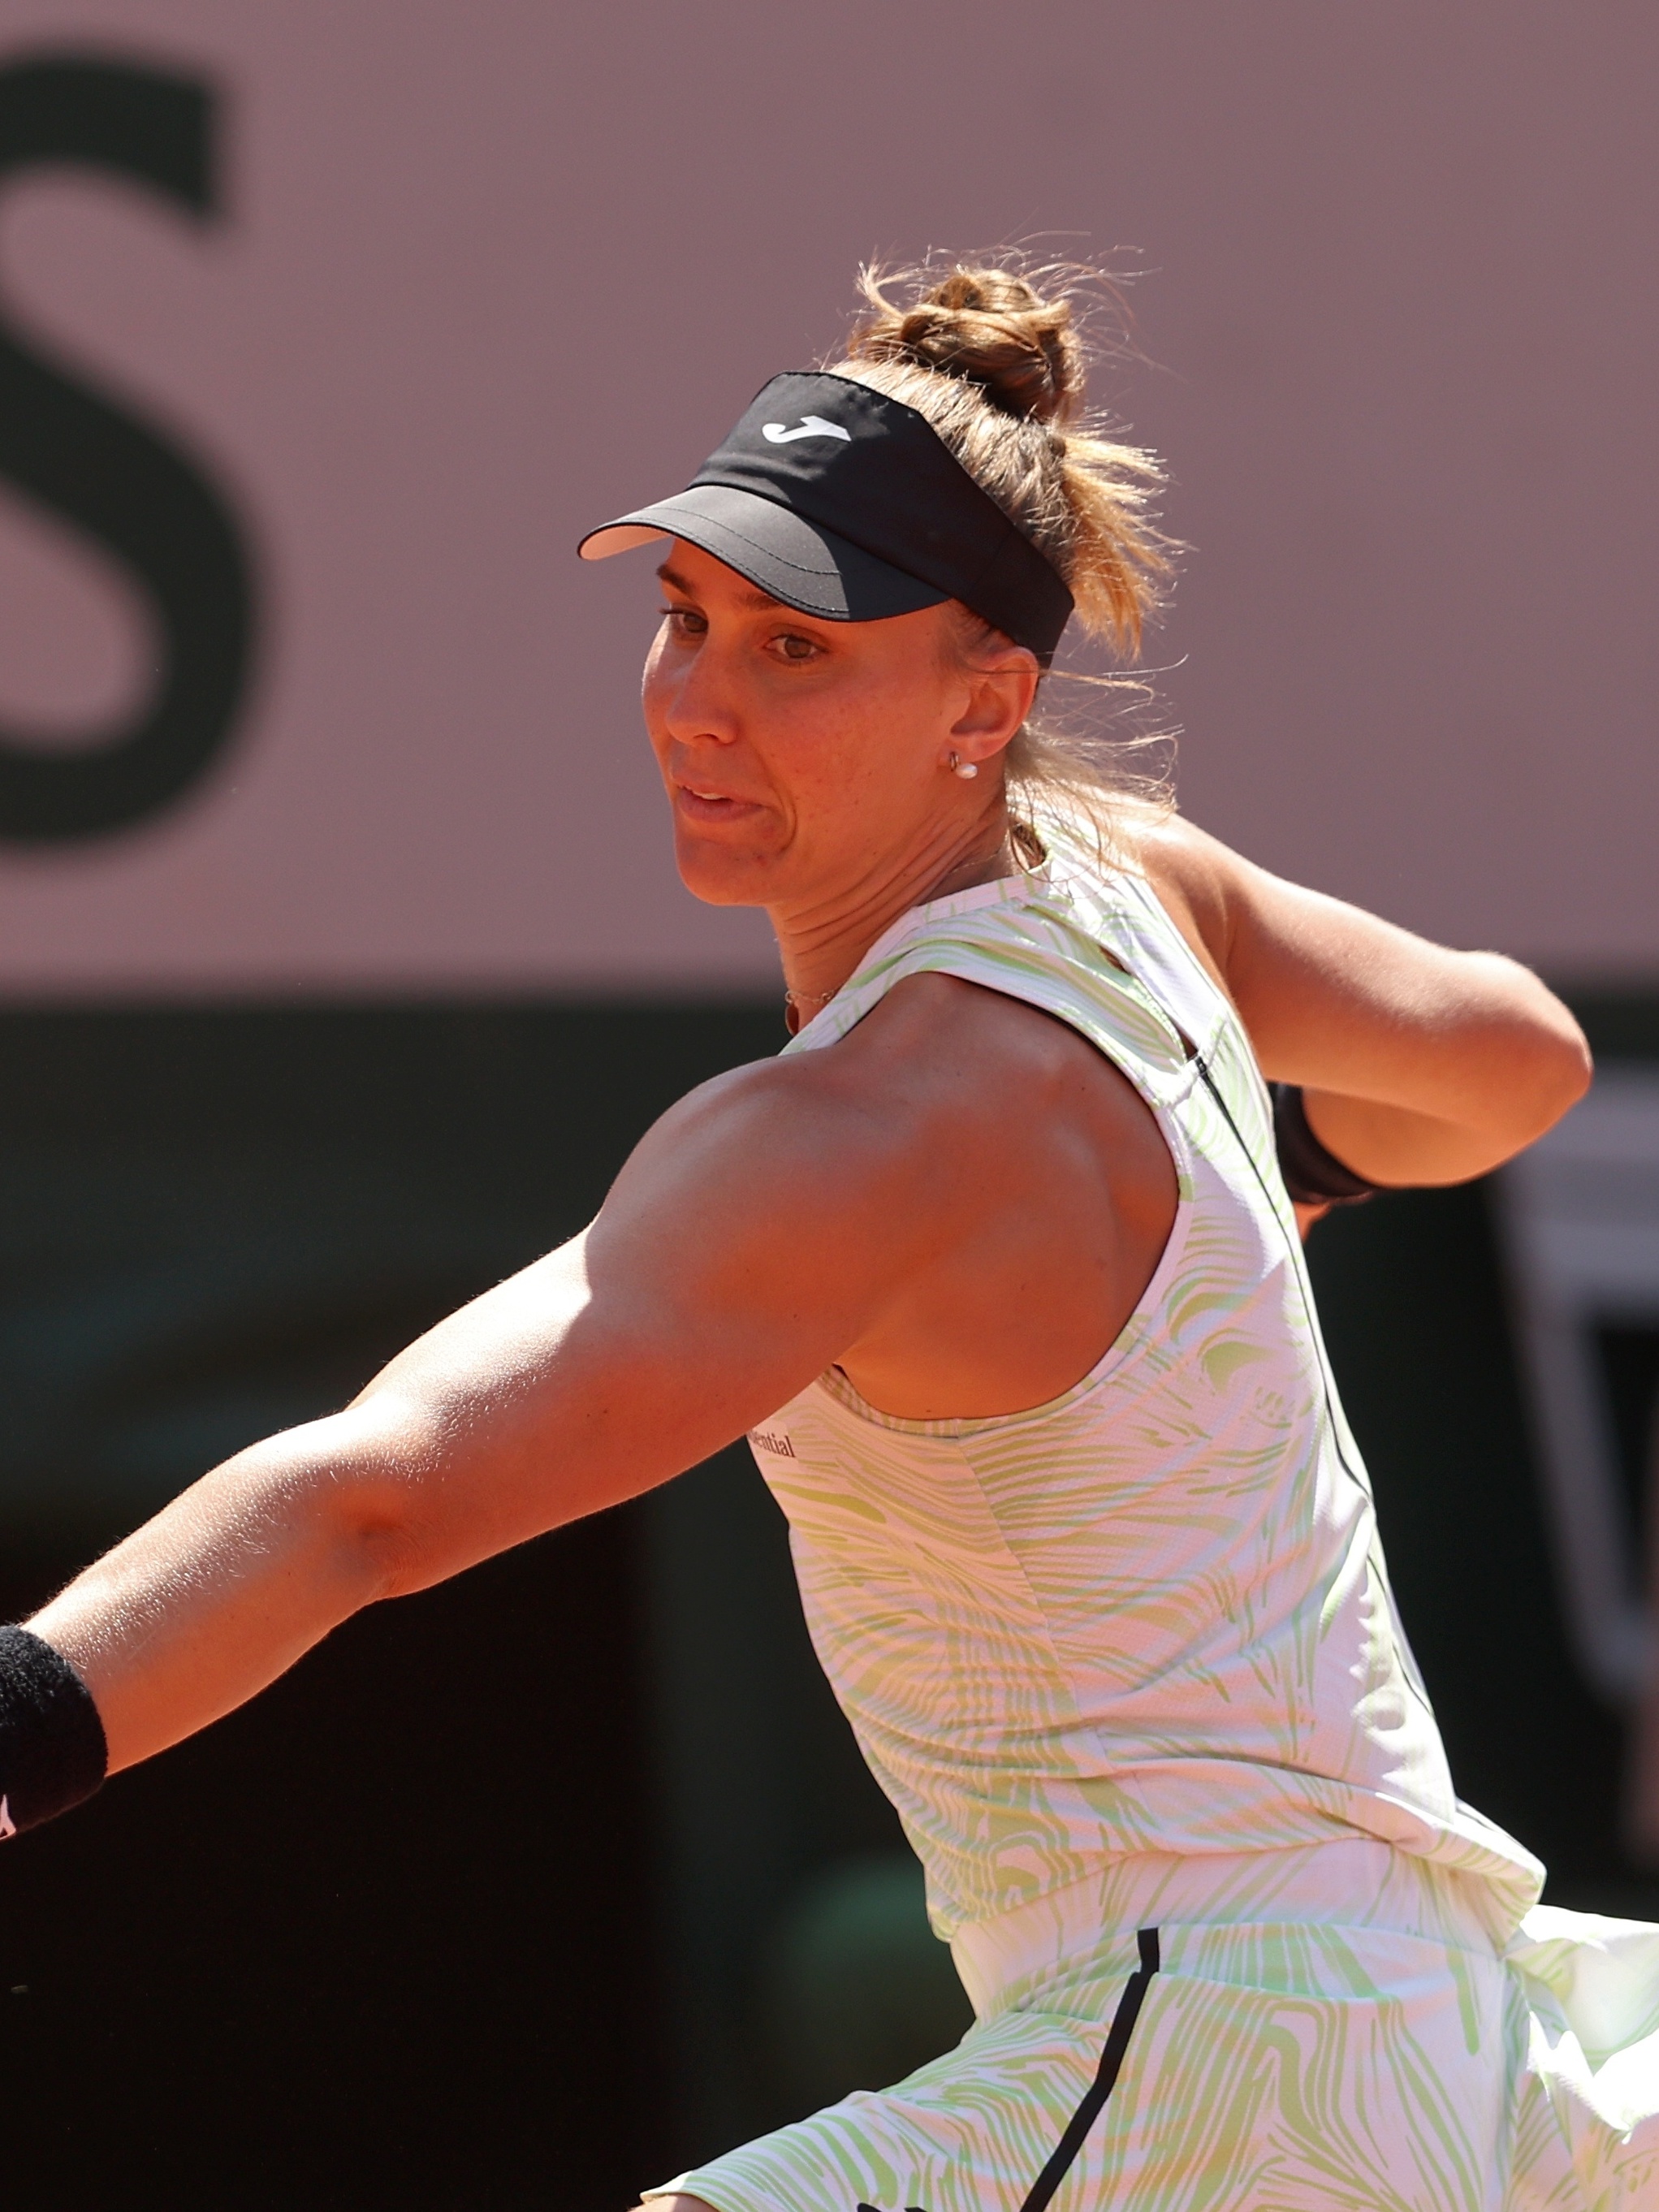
{"x": 1094, "y": 949}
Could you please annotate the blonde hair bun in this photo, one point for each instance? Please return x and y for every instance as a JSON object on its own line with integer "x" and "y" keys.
{"x": 986, "y": 325}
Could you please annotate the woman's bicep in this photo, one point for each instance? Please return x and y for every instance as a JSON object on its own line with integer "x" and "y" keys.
{"x": 736, "y": 1256}
{"x": 1336, "y": 998}
{"x": 629, "y": 1355}
{"x": 1341, "y": 1001}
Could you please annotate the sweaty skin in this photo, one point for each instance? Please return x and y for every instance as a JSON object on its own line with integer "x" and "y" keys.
{"x": 959, "y": 1204}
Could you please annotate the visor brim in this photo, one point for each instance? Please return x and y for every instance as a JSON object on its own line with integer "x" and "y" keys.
{"x": 793, "y": 561}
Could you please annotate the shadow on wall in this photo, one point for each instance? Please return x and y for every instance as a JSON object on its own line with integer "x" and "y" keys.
{"x": 854, "y": 1989}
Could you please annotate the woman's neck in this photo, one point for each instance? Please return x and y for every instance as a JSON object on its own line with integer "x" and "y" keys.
{"x": 822, "y": 944}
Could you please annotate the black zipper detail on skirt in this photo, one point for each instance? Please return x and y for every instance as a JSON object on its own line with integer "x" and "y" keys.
{"x": 1111, "y": 2062}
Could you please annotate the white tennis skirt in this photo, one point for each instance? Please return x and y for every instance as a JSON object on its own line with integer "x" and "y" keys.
{"x": 1371, "y": 2039}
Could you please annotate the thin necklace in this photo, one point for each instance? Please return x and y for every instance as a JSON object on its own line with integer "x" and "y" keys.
{"x": 795, "y": 1004}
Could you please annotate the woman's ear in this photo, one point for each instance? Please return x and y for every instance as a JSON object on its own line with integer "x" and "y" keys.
{"x": 1002, "y": 686}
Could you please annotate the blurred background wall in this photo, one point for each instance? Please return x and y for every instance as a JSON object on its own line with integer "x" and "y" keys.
{"x": 342, "y": 956}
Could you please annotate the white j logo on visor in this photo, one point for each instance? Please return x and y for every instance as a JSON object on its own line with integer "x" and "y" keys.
{"x": 809, "y": 426}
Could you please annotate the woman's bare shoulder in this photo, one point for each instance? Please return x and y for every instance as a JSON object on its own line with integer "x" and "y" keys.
{"x": 1199, "y": 881}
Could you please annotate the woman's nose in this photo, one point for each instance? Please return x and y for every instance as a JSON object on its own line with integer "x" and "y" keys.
{"x": 698, "y": 705}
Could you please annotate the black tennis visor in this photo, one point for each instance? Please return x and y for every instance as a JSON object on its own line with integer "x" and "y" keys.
{"x": 848, "y": 504}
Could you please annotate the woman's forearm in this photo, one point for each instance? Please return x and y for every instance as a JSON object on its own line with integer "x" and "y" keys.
{"x": 548, "y": 1397}
{"x": 1396, "y": 1148}
{"x": 224, "y": 1590}
{"x": 444, "y": 1459}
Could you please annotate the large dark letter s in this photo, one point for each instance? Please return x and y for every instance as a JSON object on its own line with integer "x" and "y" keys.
{"x": 118, "y": 480}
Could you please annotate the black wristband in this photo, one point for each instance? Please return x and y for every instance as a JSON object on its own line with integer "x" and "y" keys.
{"x": 1312, "y": 1176}
{"x": 52, "y": 1752}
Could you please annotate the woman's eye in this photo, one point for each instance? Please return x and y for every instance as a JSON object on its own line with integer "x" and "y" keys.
{"x": 683, "y": 622}
{"x": 792, "y": 647}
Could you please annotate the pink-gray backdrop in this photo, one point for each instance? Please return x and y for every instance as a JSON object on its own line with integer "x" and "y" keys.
{"x": 493, "y": 268}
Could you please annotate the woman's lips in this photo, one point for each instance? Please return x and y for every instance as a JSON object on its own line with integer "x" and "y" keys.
{"x": 701, "y": 804}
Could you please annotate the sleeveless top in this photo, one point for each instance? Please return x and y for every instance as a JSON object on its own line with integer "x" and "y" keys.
{"x": 1152, "y": 1616}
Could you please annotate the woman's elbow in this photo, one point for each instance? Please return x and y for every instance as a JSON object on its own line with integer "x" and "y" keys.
{"x": 357, "y": 1478}
{"x": 422, "y": 1495}
{"x": 1558, "y": 1066}
{"x": 1578, "y": 1070}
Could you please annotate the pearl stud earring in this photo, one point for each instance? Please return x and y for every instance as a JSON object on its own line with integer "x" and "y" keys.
{"x": 966, "y": 770}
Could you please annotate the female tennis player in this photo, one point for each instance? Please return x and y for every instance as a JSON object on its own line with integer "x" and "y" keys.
{"x": 998, "y": 1267}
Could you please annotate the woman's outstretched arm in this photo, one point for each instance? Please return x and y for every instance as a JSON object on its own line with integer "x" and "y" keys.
{"x": 744, "y": 1244}
{"x": 1418, "y": 1064}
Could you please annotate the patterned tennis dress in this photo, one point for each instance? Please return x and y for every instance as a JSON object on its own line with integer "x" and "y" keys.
{"x": 1129, "y": 1668}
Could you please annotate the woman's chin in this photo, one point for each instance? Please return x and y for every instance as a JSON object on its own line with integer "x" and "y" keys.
{"x": 718, "y": 877}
